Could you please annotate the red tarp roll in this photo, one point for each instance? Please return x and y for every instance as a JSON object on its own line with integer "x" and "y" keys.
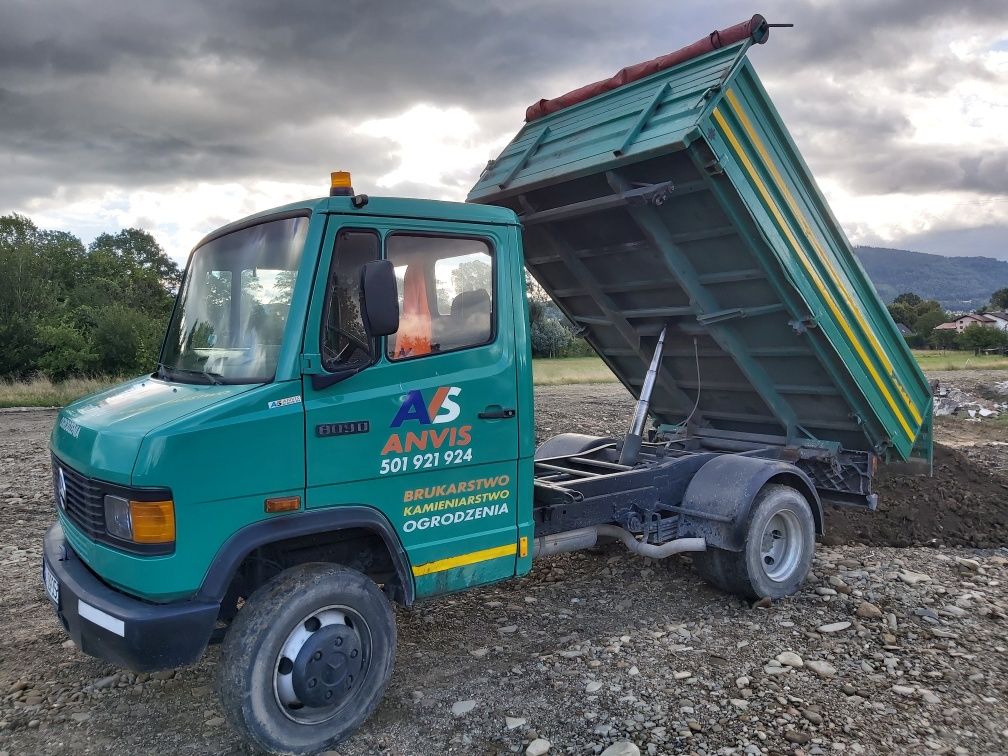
{"x": 755, "y": 28}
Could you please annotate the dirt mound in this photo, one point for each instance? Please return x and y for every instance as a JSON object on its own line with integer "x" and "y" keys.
{"x": 961, "y": 505}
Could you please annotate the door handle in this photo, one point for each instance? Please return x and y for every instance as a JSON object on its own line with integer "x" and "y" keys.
{"x": 495, "y": 412}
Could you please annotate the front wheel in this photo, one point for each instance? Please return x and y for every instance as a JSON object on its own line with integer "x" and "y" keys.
{"x": 307, "y": 659}
{"x": 778, "y": 550}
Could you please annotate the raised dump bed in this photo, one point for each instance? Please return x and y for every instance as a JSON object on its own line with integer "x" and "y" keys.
{"x": 674, "y": 195}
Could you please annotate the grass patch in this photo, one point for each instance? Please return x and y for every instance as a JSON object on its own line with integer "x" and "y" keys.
{"x": 42, "y": 392}
{"x": 565, "y": 370}
{"x": 949, "y": 359}
{"x": 1001, "y": 421}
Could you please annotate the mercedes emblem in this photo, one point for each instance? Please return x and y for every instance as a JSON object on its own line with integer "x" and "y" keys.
{"x": 60, "y": 488}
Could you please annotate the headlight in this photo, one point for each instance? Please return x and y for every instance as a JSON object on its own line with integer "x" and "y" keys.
{"x": 140, "y": 521}
{"x": 117, "y": 518}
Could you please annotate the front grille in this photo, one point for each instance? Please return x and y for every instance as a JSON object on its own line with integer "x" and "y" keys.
{"x": 84, "y": 501}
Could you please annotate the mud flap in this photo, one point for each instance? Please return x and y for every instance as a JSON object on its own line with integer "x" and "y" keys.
{"x": 718, "y": 500}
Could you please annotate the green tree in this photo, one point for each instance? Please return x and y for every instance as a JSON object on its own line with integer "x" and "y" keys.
{"x": 945, "y": 339}
{"x": 999, "y": 299}
{"x": 471, "y": 274}
{"x": 37, "y": 271}
{"x": 283, "y": 287}
{"x": 124, "y": 340}
{"x": 65, "y": 351}
{"x": 904, "y": 308}
{"x": 977, "y": 338}
{"x": 139, "y": 251}
{"x": 26, "y": 289}
{"x": 918, "y": 314}
{"x": 538, "y": 299}
{"x": 66, "y": 310}
{"x": 926, "y": 322}
{"x": 444, "y": 299}
{"x": 550, "y": 338}
{"x": 908, "y": 298}
{"x": 128, "y": 267}
{"x": 929, "y": 305}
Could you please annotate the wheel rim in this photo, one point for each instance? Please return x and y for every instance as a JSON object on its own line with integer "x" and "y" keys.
{"x": 781, "y": 546}
{"x": 322, "y": 664}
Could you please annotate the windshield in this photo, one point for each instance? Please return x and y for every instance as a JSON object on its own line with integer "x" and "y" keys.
{"x": 229, "y": 320}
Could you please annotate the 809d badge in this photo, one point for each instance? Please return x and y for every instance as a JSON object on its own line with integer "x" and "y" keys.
{"x": 426, "y": 447}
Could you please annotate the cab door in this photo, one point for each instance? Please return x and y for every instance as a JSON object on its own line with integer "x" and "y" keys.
{"x": 422, "y": 424}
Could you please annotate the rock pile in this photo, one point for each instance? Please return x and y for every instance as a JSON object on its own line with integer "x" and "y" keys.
{"x": 950, "y": 400}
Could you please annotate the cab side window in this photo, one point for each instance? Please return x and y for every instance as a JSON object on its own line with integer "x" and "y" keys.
{"x": 344, "y": 343}
{"x": 446, "y": 294}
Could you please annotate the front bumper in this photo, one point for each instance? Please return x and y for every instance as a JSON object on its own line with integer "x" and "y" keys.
{"x": 118, "y": 628}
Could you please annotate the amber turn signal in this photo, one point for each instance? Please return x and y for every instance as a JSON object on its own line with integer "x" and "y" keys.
{"x": 153, "y": 521}
{"x": 283, "y": 504}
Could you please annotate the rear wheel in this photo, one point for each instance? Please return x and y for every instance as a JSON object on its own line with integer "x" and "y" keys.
{"x": 778, "y": 550}
{"x": 307, "y": 659}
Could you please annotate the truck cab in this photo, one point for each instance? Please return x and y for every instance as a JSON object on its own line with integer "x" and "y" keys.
{"x": 279, "y": 430}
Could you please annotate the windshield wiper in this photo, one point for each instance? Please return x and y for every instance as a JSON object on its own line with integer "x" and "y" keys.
{"x": 212, "y": 378}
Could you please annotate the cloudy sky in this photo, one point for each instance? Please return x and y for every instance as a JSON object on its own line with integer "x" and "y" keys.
{"x": 180, "y": 116}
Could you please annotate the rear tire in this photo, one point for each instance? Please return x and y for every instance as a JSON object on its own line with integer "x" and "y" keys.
{"x": 307, "y": 659}
{"x": 777, "y": 554}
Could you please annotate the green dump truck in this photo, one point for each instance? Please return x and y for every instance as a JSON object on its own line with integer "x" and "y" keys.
{"x": 342, "y": 414}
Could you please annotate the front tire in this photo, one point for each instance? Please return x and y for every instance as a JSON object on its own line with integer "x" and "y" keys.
{"x": 307, "y": 659}
{"x": 778, "y": 550}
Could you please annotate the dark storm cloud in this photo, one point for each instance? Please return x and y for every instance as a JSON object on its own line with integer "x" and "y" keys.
{"x": 206, "y": 90}
{"x": 117, "y": 94}
{"x": 864, "y": 142}
{"x": 153, "y": 94}
{"x": 879, "y": 33}
{"x": 841, "y": 79}
{"x": 983, "y": 241}
{"x": 921, "y": 169}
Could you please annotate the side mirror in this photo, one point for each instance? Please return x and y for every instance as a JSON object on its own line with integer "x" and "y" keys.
{"x": 379, "y": 298}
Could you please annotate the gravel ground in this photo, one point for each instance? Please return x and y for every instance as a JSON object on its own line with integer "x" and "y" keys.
{"x": 885, "y": 650}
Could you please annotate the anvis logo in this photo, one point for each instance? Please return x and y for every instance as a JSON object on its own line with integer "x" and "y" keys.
{"x": 442, "y": 408}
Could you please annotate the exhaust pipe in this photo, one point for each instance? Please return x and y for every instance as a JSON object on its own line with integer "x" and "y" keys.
{"x": 632, "y": 444}
{"x": 585, "y": 538}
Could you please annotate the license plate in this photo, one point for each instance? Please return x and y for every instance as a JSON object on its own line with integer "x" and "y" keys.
{"x": 51, "y": 583}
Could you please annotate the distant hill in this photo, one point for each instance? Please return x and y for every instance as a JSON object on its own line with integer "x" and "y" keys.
{"x": 959, "y": 283}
